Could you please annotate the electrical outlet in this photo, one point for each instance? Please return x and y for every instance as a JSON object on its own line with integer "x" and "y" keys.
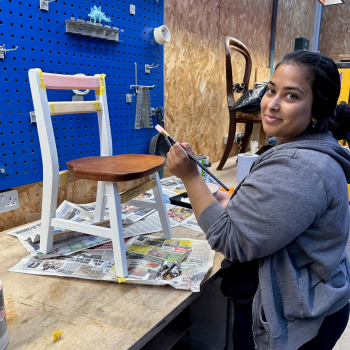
{"x": 238, "y": 138}
{"x": 8, "y": 200}
{"x": 132, "y": 9}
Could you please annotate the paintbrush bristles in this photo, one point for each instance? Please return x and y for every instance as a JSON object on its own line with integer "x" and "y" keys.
{"x": 161, "y": 130}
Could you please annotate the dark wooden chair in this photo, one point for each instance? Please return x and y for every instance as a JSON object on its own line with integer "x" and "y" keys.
{"x": 237, "y": 117}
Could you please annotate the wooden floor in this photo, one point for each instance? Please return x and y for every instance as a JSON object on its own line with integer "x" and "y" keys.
{"x": 228, "y": 176}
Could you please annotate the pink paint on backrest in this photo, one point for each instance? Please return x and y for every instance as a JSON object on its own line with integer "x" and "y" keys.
{"x": 70, "y": 82}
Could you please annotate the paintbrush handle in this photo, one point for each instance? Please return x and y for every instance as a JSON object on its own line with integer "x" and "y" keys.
{"x": 205, "y": 168}
{"x": 200, "y": 164}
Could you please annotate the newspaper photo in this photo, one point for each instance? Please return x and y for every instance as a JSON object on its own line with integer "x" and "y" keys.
{"x": 146, "y": 257}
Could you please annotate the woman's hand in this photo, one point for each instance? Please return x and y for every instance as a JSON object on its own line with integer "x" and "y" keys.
{"x": 179, "y": 163}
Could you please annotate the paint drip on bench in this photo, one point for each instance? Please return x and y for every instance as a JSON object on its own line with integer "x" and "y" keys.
{"x": 4, "y": 338}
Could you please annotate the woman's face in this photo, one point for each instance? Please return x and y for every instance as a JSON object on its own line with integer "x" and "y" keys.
{"x": 286, "y": 106}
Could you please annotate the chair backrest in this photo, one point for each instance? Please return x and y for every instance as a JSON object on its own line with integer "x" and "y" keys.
{"x": 234, "y": 44}
{"x": 39, "y": 83}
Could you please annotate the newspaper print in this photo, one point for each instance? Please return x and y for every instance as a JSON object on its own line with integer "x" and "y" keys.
{"x": 66, "y": 210}
{"x": 173, "y": 183}
{"x": 71, "y": 243}
{"x": 145, "y": 256}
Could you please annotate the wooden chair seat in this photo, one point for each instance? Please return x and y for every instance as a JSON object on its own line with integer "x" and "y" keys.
{"x": 123, "y": 167}
{"x": 248, "y": 117}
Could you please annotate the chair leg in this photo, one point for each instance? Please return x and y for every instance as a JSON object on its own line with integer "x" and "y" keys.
{"x": 230, "y": 140}
{"x": 113, "y": 197}
{"x": 161, "y": 207}
{"x": 100, "y": 202}
{"x": 48, "y": 211}
{"x": 246, "y": 138}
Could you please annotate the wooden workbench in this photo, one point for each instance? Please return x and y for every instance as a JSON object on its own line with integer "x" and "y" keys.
{"x": 92, "y": 314}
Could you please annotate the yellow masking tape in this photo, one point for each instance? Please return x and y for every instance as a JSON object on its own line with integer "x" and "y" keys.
{"x": 63, "y": 178}
{"x": 52, "y": 107}
{"x": 102, "y": 89}
{"x": 119, "y": 279}
{"x": 42, "y": 82}
{"x": 97, "y": 106}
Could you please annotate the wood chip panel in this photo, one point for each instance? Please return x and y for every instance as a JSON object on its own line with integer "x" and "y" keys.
{"x": 335, "y": 31}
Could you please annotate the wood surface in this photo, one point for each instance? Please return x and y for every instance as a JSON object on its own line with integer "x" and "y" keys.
{"x": 92, "y": 314}
{"x": 75, "y": 107}
{"x": 123, "y": 167}
{"x": 335, "y": 31}
{"x": 195, "y": 84}
{"x": 70, "y": 82}
{"x": 295, "y": 19}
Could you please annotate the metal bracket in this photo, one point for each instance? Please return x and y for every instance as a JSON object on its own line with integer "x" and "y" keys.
{"x": 44, "y": 4}
{"x": 148, "y": 67}
{"x": 92, "y": 30}
{"x": 153, "y": 112}
{"x": 3, "y": 50}
{"x": 138, "y": 86}
{"x": 32, "y": 117}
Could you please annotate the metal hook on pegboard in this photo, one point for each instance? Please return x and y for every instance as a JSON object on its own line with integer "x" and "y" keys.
{"x": 139, "y": 86}
{"x": 44, "y": 4}
{"x": 3, "y": 50}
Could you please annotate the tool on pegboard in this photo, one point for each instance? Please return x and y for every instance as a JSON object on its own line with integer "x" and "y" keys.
{"x": 143, "y": 117}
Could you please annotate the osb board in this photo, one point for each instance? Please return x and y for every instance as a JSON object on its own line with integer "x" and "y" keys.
{"x": 30, "y": 197}
{"x": 335, "y": 31}
{"x": 295, "y": 19}
{"x": 195, "y": 85}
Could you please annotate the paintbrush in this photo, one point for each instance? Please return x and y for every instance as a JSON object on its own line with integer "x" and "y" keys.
{"x": 167, "y": 136}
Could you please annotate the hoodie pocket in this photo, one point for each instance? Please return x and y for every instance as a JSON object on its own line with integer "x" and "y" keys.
{"x": 262, "y": 324}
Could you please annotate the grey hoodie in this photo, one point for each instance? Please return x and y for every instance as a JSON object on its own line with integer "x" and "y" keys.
{"x": 292, "y": 212}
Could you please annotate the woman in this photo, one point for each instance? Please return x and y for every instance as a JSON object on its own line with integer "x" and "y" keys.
{"x": 284, "y": 230}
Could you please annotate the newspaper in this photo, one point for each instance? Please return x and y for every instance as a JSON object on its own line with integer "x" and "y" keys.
{"x": 173, "y": 183}
{"x": 80, "y": 213}
{"x": 130, "y": 213}
{"x": 191, "y": 223}
{"x": 71, "y": 243}
{"x": 152, "y": 223}
{"x": 67, "y": 210}
{"x": 145, "y": 256}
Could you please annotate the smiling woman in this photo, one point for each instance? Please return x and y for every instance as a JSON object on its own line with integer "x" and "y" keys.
{"x": 284, "y": 230}
{"x": 287, "y": 104}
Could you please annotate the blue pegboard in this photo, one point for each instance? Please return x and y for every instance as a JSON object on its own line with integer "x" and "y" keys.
{"x": 43, "y": 43}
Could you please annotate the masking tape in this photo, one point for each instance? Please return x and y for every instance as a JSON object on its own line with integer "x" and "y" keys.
{"x": 63, "y": 178}
{"x": 97, "y": 106}
{"x": 52, "y": 107}
{"x": 102, "y": 88}
{"x": 119, "y": 279}
{"x": 42, "y": 81}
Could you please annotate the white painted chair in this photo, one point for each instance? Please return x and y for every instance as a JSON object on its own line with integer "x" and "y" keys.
{"x": 107, "y": 169}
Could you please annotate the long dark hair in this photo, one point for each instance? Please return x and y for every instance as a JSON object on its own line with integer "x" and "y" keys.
{"x": 326, "y": 89}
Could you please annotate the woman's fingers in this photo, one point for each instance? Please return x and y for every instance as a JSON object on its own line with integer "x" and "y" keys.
{"x": 187, "y": 146}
